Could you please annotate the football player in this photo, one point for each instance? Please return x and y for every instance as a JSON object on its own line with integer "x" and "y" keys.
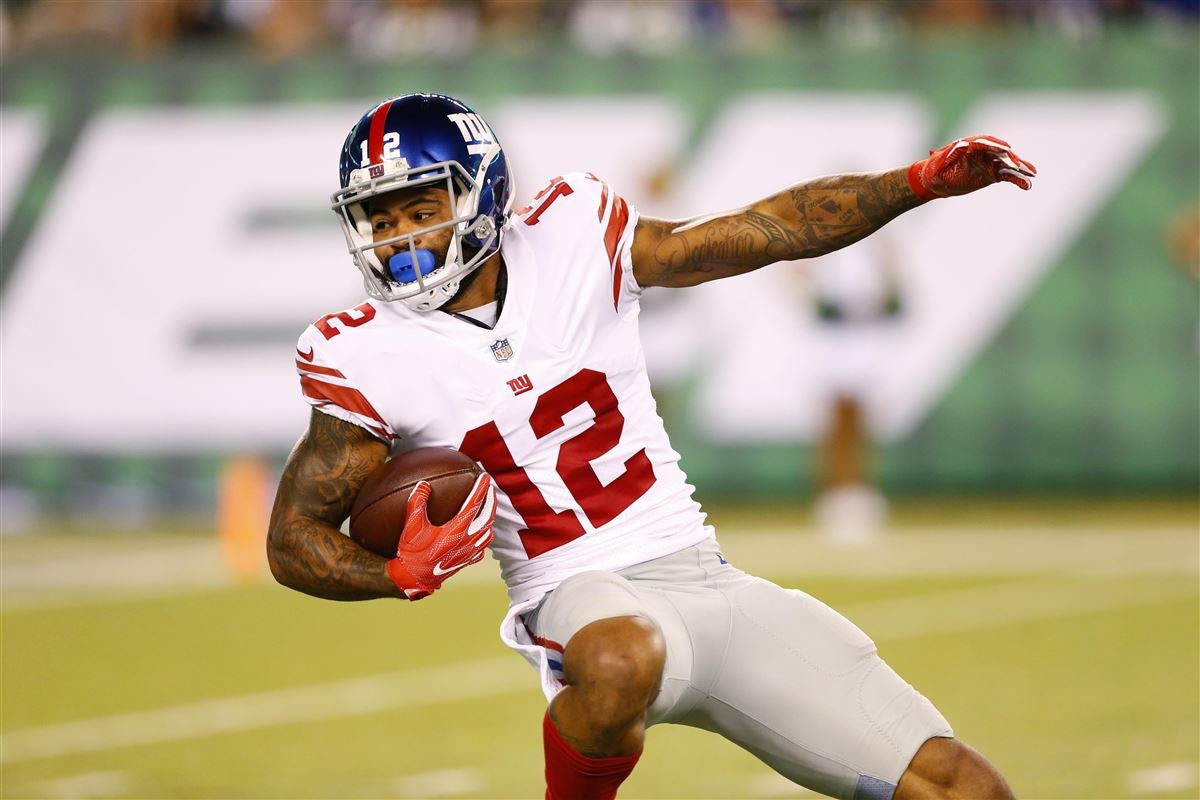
{"x": 513, "y": 337}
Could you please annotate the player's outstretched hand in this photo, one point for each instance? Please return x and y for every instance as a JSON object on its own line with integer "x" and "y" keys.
{"x": 428, "y": 554}
{"x": 968, "y": 164}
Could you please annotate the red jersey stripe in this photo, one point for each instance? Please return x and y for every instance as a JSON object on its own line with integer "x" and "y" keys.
{"x": 549, "y": 644}
{"x": 560, "y": 189}
{"x": 612, "y": 236}
{"x": 350, "y": 399}
{"x": 603, "y": 202}
{"x": 375, "y": 139}
{"x": 304, "y": 366}
{"x": 616, "y": 224}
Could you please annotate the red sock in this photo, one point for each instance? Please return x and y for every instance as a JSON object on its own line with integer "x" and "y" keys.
{"x": 574, "y": 776}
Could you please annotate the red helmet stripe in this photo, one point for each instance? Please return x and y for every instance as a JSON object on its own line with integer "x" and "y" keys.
{"x": 375, "y": 139}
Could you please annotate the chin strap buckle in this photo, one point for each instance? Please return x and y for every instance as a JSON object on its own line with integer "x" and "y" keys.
{"x": 483, "y": 228}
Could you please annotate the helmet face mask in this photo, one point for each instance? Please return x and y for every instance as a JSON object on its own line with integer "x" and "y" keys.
{"x": 418, "y": 141}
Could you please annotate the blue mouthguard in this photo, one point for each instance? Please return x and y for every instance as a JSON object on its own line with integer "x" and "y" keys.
{"x": 401, "y": 266}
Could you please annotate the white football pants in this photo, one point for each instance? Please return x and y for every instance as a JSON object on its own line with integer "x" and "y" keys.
{"x": 773, "y": 670}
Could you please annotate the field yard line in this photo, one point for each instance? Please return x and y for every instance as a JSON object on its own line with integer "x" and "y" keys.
{"x": 161, "y": 563}
{"x": 408, "y": 689}
{"x": 961, "y": 610}
{"x": 973, "y": 608}
{"x": 13, "y": 603}
{"x": 36, "y": 578}
{"x": 966, "y": 552}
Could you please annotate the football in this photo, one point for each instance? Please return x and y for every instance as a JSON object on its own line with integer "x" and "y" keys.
{"x": 377, "y": 518}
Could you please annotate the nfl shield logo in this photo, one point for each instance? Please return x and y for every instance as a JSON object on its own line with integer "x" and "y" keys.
{"x": 501, "y": 350}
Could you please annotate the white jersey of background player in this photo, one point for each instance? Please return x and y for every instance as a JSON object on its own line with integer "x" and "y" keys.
{"x": 513, "y": 337}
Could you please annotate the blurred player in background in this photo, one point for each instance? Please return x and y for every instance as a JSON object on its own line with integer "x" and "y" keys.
{"x": 856, "y": 299}
{"x": 512, "y": 336}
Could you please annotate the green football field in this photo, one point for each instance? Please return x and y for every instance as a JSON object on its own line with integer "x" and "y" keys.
{"x": 1061, "y": 639}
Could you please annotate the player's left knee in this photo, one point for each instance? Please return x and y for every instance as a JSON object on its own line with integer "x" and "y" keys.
{"x": 618, "y": 663}
{"x": 948, "y": 769}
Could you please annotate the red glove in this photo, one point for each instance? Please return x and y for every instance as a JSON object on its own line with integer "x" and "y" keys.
{"x": 968, "y": 164}
{"x": 428, "y": 554}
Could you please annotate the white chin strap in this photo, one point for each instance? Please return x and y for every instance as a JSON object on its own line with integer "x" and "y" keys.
{"x": 433, "y": 299}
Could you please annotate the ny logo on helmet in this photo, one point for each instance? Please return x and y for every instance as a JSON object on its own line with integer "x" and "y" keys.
{"x": 474, "y": 131}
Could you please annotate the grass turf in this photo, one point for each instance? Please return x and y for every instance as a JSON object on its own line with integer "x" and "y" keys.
{"x": 1090, "y": 677}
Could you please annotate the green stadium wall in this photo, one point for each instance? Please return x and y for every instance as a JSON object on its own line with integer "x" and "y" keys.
{"x": 1092, "y": 385}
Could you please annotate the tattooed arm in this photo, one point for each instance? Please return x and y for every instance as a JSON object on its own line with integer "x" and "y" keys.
{"x": 809, "y": 219}
{"x": 305, "y": 547}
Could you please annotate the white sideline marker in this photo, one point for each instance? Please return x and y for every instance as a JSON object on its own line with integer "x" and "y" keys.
{"x": 442, "y": 783}
{"x": 86, "y": 784}
{"x": 1176, "y": 776}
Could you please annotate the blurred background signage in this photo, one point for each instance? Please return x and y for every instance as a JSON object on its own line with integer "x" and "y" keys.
{"x": 166, "y": 237}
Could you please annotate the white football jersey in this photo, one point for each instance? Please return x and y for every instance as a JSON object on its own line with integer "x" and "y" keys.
{"x": 554, "y": 401}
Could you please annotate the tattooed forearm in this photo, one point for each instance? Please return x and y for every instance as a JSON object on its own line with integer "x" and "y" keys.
{"x": 841, "y": 210}
{"x": 306, "y": 550}
{"x": 318, "y": 560}
{"x": 724, "y": 245}
{"x": 806, "y": 220}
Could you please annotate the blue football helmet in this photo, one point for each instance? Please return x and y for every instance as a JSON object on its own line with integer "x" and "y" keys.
{"x": 418, "y": 140}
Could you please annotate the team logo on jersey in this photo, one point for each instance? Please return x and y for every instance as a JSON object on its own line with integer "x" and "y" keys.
{"x": 502, "y": 350}
{"x": 520, "y": 385}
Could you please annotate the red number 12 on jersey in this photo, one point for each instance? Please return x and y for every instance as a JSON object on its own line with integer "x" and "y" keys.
{"x": 546, "y": 528}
